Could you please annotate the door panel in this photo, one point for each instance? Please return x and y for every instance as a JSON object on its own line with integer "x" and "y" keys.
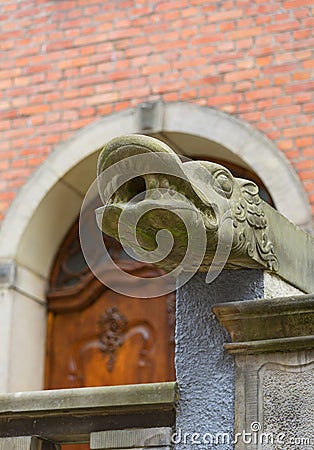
{"x": 116, "y": 340}
{"x": 97, "y": 337}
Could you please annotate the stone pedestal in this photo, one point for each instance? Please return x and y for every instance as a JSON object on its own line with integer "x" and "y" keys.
{"x": 206, "y": 375}
{"x": 274, "y": 400}
{"x": 273, "y": 345}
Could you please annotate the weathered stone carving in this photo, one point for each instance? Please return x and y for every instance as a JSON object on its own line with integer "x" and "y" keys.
{"x": 166, "y": 193}
{"x": 251, "y": 225}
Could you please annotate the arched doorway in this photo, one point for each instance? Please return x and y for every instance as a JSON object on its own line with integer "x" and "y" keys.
{"x": 49, "y": 203}
{"x": 110, "y": 338}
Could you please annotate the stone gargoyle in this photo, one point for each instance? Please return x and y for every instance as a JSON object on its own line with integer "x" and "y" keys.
{"x": 145, "y": 188}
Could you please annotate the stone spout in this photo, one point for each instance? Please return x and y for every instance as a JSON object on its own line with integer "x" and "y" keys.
{"x": 157, "y": 204}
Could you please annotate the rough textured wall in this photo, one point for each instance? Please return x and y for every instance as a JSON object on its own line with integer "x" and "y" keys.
{"x": 204, "y": 370}
{"x": 286, "y": 399}
{"x": 65, "y": 63}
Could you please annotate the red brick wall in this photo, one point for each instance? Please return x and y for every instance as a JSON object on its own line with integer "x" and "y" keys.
{"x": 65, "y": 63}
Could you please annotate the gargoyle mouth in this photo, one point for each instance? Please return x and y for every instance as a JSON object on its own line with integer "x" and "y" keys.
{"x": 150, "y": 192}
{"x": 146, "y": 189}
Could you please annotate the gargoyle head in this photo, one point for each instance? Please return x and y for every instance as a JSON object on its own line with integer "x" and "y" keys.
{"x": 146, "y": 188}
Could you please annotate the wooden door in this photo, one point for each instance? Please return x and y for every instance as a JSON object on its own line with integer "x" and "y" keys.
{"x": 97, "y": 337}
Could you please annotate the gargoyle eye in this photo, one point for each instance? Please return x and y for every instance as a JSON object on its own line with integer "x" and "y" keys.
{"x": 223, "y": 183}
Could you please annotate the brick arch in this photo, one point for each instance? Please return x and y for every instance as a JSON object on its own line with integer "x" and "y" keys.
{"x": 49, "y": 203}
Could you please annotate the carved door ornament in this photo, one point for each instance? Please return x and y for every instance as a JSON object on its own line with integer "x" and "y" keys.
{"x": 112, "y": 329}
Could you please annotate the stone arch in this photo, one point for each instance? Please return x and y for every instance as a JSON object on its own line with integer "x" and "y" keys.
{"x": 50, "y": 201}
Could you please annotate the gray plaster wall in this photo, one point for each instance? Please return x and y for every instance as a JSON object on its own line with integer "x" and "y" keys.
{"x": 205, "y": 371}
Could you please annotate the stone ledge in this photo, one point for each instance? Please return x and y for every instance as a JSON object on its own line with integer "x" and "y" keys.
{"x": 279, "y": 324}
{"x": 271, "y": 345}
{"x": 71, "y": 415}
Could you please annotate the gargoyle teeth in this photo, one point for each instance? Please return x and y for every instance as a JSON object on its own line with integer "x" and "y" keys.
{"x": 152, "y": 181}
{"x": 114, "y": 199}
{"x": 164, "y": 183}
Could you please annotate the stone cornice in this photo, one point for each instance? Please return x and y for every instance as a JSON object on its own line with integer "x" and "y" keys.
{"x": 279, "y": 324}
{"x": 207, "y": 198}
